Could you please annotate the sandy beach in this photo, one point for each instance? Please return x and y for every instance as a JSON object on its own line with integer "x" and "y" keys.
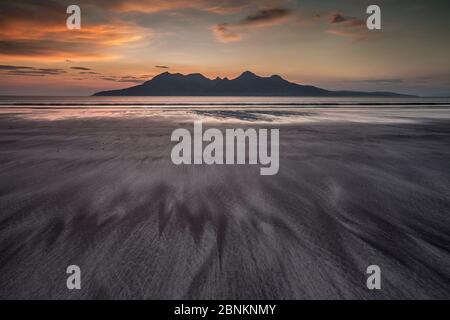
{"x": 97, "y": 188}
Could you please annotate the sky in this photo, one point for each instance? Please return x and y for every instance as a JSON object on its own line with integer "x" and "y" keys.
{"x": 122, "y": 43}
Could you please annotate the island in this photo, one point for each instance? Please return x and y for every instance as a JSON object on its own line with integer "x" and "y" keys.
{"x": 247, "y": 84}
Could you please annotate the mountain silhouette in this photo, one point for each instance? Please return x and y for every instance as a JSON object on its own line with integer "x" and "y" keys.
{"x": 247, "y": 84}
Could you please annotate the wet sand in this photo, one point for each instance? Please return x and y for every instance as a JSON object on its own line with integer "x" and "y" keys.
{"x": 98, "y": 189}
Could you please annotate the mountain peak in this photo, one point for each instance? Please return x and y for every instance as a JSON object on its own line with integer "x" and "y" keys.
{"x": 247, "y": 74}
{"x": 195, "y": 76}
{"x": 165, "y": 74}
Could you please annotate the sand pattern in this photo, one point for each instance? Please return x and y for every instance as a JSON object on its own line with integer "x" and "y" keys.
{"x": 100, "y": 191}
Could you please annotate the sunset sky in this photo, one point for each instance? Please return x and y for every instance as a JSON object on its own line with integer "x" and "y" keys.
{"x": 125, "y": 42}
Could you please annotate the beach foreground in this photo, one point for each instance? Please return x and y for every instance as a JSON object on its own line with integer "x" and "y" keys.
{"x": 98, "y": 189}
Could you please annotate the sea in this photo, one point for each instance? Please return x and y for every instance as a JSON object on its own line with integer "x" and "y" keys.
{"x": 196, "y": 102}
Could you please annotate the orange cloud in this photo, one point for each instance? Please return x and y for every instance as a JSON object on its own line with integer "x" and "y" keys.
{"x": 226, "y": 34}
{"x": 25, "y": 35}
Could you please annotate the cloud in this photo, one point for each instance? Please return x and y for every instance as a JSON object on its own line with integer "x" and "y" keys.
{"x": 162, "y": 67}
{"x": 264, "y": 17}
{"x": 106, "y": 25}
{"x": 154, "y": 6}
{"x": 90, "y": 75}
{"x": 345, "y": 26}
{"x": 24, "y": 34}
{"x": 395, "y": 80}
{"x": 338, "y": 18}
{"x": 5, "y": 67}
{"x": 231, "y": 32}
{"x": 225, "y": 33}
{"x": 29, "y": 71}
{"x": 38, "y": 50}
{"x": 131, "y": 79}
{"x": 81, "y": 68}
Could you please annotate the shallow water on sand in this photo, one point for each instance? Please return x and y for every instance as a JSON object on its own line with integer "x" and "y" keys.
{"x": 61, "y": 102}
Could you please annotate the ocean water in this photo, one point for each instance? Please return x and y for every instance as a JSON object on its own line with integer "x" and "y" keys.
{"x": 281, "y": 110}
{"x": 31, "y": 101}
